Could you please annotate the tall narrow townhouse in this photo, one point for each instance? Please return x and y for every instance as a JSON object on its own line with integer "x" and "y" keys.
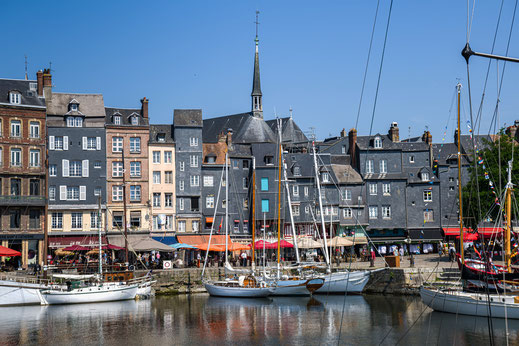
{"x": 127, "y": 137}
{"x": 22, "y": 171}
{"x": 77, "y": 171}
{"x": 161, "y": 151}
{"x": 188, "y": 152}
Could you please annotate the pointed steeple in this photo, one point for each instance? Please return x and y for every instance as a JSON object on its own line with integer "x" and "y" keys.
{"x": 257, "y": 106}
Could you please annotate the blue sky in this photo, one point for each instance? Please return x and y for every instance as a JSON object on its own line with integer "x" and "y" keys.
{"x": 199, "y": 54}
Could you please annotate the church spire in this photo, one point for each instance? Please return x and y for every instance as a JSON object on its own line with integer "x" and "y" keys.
{"x": 257, "y": 106}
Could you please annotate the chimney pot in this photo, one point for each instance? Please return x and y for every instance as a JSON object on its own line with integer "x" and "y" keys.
{"x": 144, "y": 109}
{"x": 39, "y": 78}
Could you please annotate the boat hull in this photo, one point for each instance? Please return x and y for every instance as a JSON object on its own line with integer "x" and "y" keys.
{"x": 18, "y": 293}
{"x": 290, "y": 288}
{"x": 237, "y": 292}
{"x": 93, "y": 294}
{"x": 344, "y": 282}
{"x": 473, "y": 304}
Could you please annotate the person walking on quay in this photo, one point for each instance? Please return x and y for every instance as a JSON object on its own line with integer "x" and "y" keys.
{"x": 452, "y": 253}
{"x": 372, "y": 264}
{"x": 243, "y": 256}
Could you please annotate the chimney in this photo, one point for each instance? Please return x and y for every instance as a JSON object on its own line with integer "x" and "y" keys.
{"x": 512, "y": 130}
{"x": 229, "y": 137}
{"x": 352, "y": 139}
{"x": 39, "y": 77}
{"x": 343, "y": 133}
{"x": 427, "y": 137}
{"x": 222, "y": 137}
{"x": 394, "y": 133}
{"x": 47, "y": 84}
{"x": 144, "y": 109}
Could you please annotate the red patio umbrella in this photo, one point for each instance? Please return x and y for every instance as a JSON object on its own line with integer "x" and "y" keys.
{"x": 469, "y": 236}
{"x": 5, "y": 251}
{"x": 285, "y": 243}
{"x": 259, "y": 245}
{"x": 76, "y": 248}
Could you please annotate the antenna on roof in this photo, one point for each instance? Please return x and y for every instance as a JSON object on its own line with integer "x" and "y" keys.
{"x": 290, "y": 110}
{"x": 50, "y": 67}
{"x": 26, "y": 77}
{"x": 409, "y": 132}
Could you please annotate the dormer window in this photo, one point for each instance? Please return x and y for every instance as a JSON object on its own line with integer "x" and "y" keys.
{"x": 74, "y": 122}
{"x": 15, "y": 97}
{"x": 377, "y": 143}
{"x": 269, "y": 160}
{"x": 425, "y": 176}
{"x": 210, "y": 159}
{"x": 33, "y": 86}
{"x": 161, "y": 137}
{"x": 134, "y": 120}
{"x": 326, "y": 177}
{"x": 117, "y": 120}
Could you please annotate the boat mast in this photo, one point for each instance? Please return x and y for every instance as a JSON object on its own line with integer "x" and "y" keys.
{"x": 462, "y": 250}
{"x": 124, "y": 213}
{"x": 321, "y": 208}
{"x": 509, "y": 185}
{"x": 253, "y": 223}
{"x": 279, "y": 197}
{"x": 226, "y": 207}
{"x": 99, "y": 233}
{"x": 291, "y": 212}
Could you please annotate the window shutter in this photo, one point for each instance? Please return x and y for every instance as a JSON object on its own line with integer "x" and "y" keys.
{"x": 82, "y": 193}
{"x": 65, "y": 142}
{"x": 98, "y": 143}
{"x": 85, "y": 168}
{"x": 51, "y": 143}
{"x": 63, "y": 192}
{"x": 65, "y": 169}
{"x": 85, "y": 144}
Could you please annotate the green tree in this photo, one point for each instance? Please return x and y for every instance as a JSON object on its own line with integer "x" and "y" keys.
{"x": 479, "y": 199}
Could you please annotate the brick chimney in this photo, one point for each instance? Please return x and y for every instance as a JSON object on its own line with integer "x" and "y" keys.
{"x": 352, "y": 139}
{"x": 47, "y": 84}
{"x": 394, "y": 132}
{"x": 343, "y": 133}
{"x": 144, "y": 109}
{"x": 229, "y": 137}
{"x": 512, "y": 130}
{"x": 427, "y": 137}
{"x": 39, "y": 78}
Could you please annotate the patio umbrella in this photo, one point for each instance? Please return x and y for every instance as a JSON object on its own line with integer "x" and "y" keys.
{"x": 61, "y": 252}
{"x": 285, "y": 243}
{"x": 308, "y": 243}
{"x": 5, "y": 251}
{"x": 469, "y": 236}
{"x": 259, "y": 245}
{"x": 340, "y": 241}
{"x": 94, "y": 251}
{"x": 76, "y": 248}
{"x": 179, "y": 246}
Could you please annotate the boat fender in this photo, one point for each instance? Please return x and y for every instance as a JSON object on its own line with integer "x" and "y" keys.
{"x": 516, "y": 299}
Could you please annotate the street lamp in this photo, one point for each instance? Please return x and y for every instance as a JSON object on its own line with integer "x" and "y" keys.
{"x": 411, "y": 259}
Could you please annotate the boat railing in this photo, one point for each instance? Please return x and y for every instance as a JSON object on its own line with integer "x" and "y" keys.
{"x": 24, "y": 279}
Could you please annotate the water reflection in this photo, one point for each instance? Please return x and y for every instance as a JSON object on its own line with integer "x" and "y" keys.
{"x": 205, "y": 320}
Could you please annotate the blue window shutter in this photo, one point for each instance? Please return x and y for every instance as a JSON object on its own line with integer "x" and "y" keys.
{"x": 264, "y": 184}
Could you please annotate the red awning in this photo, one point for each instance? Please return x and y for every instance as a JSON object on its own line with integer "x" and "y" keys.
{"x": 468, "y": 236}
{"x": 454, "y": 231}
{"x": 89, "y": 240}
{"x": 489, "y": 232}
{"x": 5, "y": 251}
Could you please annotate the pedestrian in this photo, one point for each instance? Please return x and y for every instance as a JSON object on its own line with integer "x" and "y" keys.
{"x": 401, "y": 251}
{"x": 452, "y": 253}
{"x": 243, "y": 256}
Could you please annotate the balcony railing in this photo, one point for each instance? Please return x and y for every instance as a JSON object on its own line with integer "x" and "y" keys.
{"x": 22, "y": 200}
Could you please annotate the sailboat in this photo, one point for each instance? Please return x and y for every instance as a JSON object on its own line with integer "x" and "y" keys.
{"x": 243, "y": 286}
{"x": 473, "y": 303}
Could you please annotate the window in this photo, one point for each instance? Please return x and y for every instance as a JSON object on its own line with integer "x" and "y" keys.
{"x": 168, "y": 177}
{"x": 76, "y": 220}
{"x": 245, "y": 203}
{"x": 346, "y": 195}
{"x": 57, "y": 220}
{"x": 235, "y": 164}
{"x": 451, "y": 188}
{"x": 117, "y": 144}
{"x": 117, "y": 169}
{"x": 135, "y": 193}
{"x": 16, "y": 187}
{"x": 117, "y": 219}
{"x": 182, "y": 226}
{"x": 378, "y": 143}
{"x": 193, "y": 161}
{"x": 347, "y": 213}
{"x": 167, "y": 156}
{"x": 224, "y": 203}
{"x": 52, "y": 193}
{"x": 117, "y": 193}
{"x": 135, "y": 169}
{"x": 15, "y": 97}
{"x": 264, "y": 184}
{"x": 245, "y": 164}
{"x": 369, "y": 166}
{"x": 161, "y": 137}
{"x": 156, "y": 157}
{"x": 16, "y": 157}
{"x": 425, "y": 176}
{"x": 264, "y": 205}
{"x": 373, "y": 189}
{"x": 16, "y": 128}
{"x": 73, "y": 107}
{"x": 53, "y": 170}
{"x": 427, "y": 196}
{"x": 297, "y": 171}
{"x": 208, "y": 180}
{"x": 386, "y": 189}
{"x": 428, "y": 215}
{"x": 34, "y": 187}
{"x": 72, "y": 193}
{"x": 343, "y": 149}
{"x": 156, "y": 177}
{"x": 97, "y": 191}
{"x": 195, "y": 180}
{"x": 117, "y": 120}
{"x": 34, "y": 158}
{"x": 156, "y": 200}
{"x": 193, "y": 142}
{"x": 97, "y": 164}
{"x": 34, "y": 129}
{"x": 295, "y": 190}
{"x": 269, "y": 160}
{"x": 181, "y": 185}
{"x": 76, "y": 169}
{"x": 90, "y": 143}
{"x": 181, "y": 166}
{"x": 386, "y": 212}
{"x": 306, "y": 191}
{"x": 307, "y": 209}
{"x": 209, "y": 202}
{"x": 74, "y": 122}
{"x": 236, "y": 226}
{"x": 34, "y": 218}
{"x": 94, "y": 219}
{"x": 181, "y": 204}
{"x": 373, "y": 212}
{"x": 451, "y": 179}
{"x": 411, "y": 159}
{"x": 135, "y": 144}
{"x": 168, "y": 200}
{"x": 383, "y": 166}
{"x": 210, "y": 159}
{"x": 1, "y": 153}
{"x": 326, "y": 177}
{"x": 135, "y": 120}
{"x": 169, "y": 221}
{"x": 245, "y": 182}
{"x": 295, "y": 209}
{"x": 58, "y": 143}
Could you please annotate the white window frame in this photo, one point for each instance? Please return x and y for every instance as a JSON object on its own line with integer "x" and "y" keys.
{"x": 135, "y": 144}
{"x": 326, "y": 177}
{"x": 377, "y": 144}
{"x": 347, "y": 213}
{"x": 193, "y": 141}
{"x": 135, "y": 169}
{"x": 16, "y": 128}
{"x": 296, "y": 210}
{"x": 117, "y": 169}
{"x": 157, "y": 177}
{"x": 168, "y": 156}
{"x": 117, "y": 144}
{"x": 76, "y": 220}
{"x": 182, "y": 166}
{"x": 425, "y": 176}
{"x": 209, "y": 202}
{"x": 193, "y": 161}
{"x": 373, "y": 212}
{"x": 295, "y": 190}
{"x": 386, "y": 189}
{"x": 156, "y": 157}
{"x": 208, "y": 181}
{"x": 34, "y": 129}
{"x": 373, "y": 189}
{"x": 117, "y": 120}
{"x": 34, "y": 158}
{"x": 194, "y": 180}
{"x": 135, "y": 193}
{"x": 16, "y": 157}
{"x": 117, "y": 193}
{"x": 383, "y": 166}
{"x": 369, "y": 166}
{"x": 386, "y": 212}
{"x": 427, "y": 196}
{"x": 15, "y": 97}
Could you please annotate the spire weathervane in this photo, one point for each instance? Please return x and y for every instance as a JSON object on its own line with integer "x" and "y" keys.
{"x": 257, "y": 26}
{"x": 26, "y": 76}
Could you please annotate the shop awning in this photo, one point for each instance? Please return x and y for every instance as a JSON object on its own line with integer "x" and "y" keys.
{"x": 137, "y": 242}
{"x": 218, "y": 239}
{"x": 209, "y": 219}
{"x": 166, "y": 240}
{"x": 426, "y": 234}
{"x": 88, "y": 241}
{"x": 488, "y": 232}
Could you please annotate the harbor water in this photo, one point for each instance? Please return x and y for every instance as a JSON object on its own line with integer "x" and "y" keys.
{"x": 203, "y": 320}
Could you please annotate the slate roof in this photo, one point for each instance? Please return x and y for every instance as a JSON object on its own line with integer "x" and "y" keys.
{"x": 29, "y": 97}
{"x": 415, "y": 176}
{"x": 290, "y": 132}
{"x": 305, "y": 162}
{"x": 187, "y": 117}
{"x": 366, "y": 143}
{"x": 90, "y": 105}
{"x": 246, "y": 129}
{"x": 240, "y": 150}
{"x": 156, "y": 129}
{"x": 256, "y": 85}
{"x": 125, "y": 114}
